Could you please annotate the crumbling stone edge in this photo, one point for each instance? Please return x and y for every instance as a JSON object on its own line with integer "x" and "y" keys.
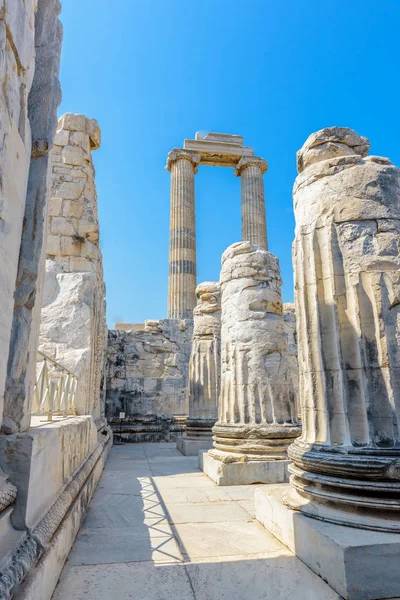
{"x": 7, "y": 495}
{"x": 34, "y": 543}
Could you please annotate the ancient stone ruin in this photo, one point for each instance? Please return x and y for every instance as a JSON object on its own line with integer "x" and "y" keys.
{"x": 257, "y": 417}
{"x": 147, "y": 370}
{"x": 214, "y": 149}
{"x": 249, "y": 388}
{"x": 147, "y": 375}
{"x": 204, "y": 371}
{"x": 344, "y": 470}
{"x": 51, "y": 366}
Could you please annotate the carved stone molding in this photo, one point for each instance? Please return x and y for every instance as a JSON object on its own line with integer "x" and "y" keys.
{"x": 251, "y": 161}
{"x": 33, "y": 544}
{"x": 8, "y": 493}
{"x": 179, "y": 154}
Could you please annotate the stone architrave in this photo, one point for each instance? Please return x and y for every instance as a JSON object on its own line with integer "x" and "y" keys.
{"x": 182, "y": 256}
{"x": 204, "y": 371}
{"x": 257, "y": 416}
{"x": 346, "y": 465}
{"x": 254, "y": 222}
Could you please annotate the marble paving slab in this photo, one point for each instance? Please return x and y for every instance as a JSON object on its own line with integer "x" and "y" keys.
{"x": 158, "y": 528}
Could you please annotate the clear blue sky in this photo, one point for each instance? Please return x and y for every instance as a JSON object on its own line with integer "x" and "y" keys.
{"x": 154, "y": 72}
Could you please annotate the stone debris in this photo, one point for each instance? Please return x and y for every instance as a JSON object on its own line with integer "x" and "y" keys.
{"x": 345, "y": 466}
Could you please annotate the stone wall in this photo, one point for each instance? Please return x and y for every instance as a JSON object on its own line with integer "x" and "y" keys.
{"x": 43, "y": 100}
{"x": 17, "y": 44}
{"x": 73, "y": 327}
{"x": 30, "y": 44}
{"x": 47, "y": 473}
{"x": 147, "y": 379}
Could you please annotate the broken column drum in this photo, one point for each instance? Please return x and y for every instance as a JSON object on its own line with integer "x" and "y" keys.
{"x": 346, "y": 464}
{"x": 204, "y": 365}
{"x": 257, "y": 416}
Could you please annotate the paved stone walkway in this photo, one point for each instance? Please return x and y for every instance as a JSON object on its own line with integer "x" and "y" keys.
{"x": 159, "y": 529}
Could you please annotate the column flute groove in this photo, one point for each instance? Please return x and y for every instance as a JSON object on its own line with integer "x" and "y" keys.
{"x": 254, "y": 222}
{"x": 182, "y": 256}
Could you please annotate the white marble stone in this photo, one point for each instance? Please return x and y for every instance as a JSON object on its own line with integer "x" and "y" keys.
{"x": 137, "y": 580}
{"x": 271, "y": 577}
{"x": 225, "y": 552}
{"x": 257, "y": 416}
{"x": 43, "y": 459}
{"x": 17, "y": 41}
{"x": 119, "y": 545}
{"x": 182, "y": 254}
{"x": 147, "y": 371}
{"x": 191, "y": 447}
{"x": 243, "y": 473}
{"x": 346, "y": 258}
{"x": 73, "y": 328}
{"x": 254, "y": 220}
{"x": 358, "y": 564}
{"x": 226, "y": 538}
{"x": 204, "y": 371}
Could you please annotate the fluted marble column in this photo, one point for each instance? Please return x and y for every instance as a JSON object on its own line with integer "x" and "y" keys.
{"x": 204, "y": 370}
{"x": 257, "y": 416}
{"x": 182, "y": 257}
{"x": 346, "y": 465}
{"x": 254, "y": 224}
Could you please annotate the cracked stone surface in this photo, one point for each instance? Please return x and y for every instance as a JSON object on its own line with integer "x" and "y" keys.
{"x": 205, "y": 361}
{"x": 257, "y": 415}
{"x": 73, "y": 327}
{"x": 347, "y": 289}
{"x": 158, "y": 527}
{"x": 147, "y": 374}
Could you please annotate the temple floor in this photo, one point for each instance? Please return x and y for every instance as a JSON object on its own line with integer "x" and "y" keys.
{"x": 158, "y": 528}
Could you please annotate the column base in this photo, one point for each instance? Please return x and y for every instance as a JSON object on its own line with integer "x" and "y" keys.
{"x": 358, "y": 564}
{"x": 191, "y": 446}
{"x": 243, "y": 473}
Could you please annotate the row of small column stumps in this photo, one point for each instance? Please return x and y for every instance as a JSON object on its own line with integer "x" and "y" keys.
{"x": 344, "y": 455}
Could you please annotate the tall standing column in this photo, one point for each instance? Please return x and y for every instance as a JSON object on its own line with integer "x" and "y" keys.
{"x": 257, "y": 418}
{"x": 204, "y": 370}
{"x": 182, "y": 165}
{"x": 254, "y": 222}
